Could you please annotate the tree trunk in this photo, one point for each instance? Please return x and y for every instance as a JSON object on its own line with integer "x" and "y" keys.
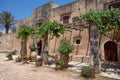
{"x": 23, "y": 51}
{"x": 94, "y": 48}
{"x": 7, "y": 30}
{"x": 44, "y": 53}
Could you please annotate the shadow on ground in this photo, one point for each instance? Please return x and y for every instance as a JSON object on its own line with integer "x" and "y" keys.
{"x": 111, "y": 67}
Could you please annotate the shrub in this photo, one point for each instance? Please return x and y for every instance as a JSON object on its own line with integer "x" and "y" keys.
{"x": 26, "y": 58}
{"x": 9, "y": 56}
{"x": 13, "y": 52}
{"x": 88, "y": 72}
{"x": 33, "y": 48}
{"x": 65, "y": 47}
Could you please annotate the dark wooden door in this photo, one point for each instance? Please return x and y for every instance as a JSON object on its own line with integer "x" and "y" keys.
{"x": 110, "y": 49}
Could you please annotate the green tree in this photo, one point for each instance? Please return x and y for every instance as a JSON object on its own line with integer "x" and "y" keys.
{"x": 100, "y": 23}
{"x": 53, "y": 29}
{"x": 6, "y": 21}
{"x": 23, "y": 33}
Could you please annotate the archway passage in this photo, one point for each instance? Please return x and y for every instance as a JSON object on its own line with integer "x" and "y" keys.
{"x": 39, "y": 44}
{"x": 110, "y": 51}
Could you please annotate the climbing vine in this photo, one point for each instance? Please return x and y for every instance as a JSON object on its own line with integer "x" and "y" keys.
{"x": 104, "y": 20}
{"x": 52, "y": 28}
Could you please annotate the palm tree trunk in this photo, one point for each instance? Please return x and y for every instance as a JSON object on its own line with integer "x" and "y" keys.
{"x": 7, "y": 30}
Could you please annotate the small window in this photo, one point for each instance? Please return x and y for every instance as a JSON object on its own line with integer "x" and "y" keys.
{"x": 65, "y": 18}
{"x": 77, "y": 41}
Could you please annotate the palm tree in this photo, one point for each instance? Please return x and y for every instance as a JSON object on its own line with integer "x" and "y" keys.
{"x": 6, "y": 21}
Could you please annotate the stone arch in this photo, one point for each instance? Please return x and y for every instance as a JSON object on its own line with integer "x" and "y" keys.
{"x": 110, "y": 51}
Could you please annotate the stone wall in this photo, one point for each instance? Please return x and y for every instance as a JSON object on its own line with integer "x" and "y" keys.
{"x": 8, "y": 42}
{"x": 51, "y": 12}
{"x": 42, "y": 13}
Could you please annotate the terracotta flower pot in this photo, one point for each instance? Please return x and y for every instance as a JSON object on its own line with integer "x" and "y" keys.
{"x": 32, "y": 55}
{"x": 66, "y": 59}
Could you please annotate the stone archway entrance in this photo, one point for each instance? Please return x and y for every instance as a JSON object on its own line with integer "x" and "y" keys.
{"x": 110, "y": 51}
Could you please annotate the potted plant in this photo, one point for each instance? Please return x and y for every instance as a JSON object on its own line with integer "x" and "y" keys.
{"x": 14, "y": 54}
{"x": 18, "y": 59}
{"x": 9, "y": 56}
{"x": 65, "y": 48}
{"x": 33, "y": 52}
{"x": 26, "y": 59}
{"x": 38, "y": 61}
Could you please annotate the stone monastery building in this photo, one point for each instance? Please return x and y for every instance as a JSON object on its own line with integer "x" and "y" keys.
{"x": 67, "y": 14}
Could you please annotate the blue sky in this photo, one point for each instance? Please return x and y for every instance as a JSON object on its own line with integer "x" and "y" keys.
{"x": 23, "y": 8}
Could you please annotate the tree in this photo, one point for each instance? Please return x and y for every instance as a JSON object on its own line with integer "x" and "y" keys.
{"x": 6, "y": 21}
{"x": 100, "y": 23}
{"x": 53, "y": 29}
{"x": 23, "y": 33}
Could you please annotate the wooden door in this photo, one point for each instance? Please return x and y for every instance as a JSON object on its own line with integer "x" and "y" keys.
{"x": 110, "y": 49}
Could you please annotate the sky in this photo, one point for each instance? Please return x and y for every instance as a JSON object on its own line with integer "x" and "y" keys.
{"x": 21, "y": 9}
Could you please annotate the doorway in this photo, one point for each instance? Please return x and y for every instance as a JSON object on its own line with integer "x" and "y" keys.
{"x": 39, "y": 44}
{"x": 110, "y": 51}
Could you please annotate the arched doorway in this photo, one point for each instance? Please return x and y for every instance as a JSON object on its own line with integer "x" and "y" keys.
{"x": 110, "y": 51}
{"x": 39, "y": 44}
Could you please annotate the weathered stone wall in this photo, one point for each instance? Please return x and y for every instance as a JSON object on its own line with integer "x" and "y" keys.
{"x": 8, "y": 42}
{"x": 26, "y": 21}
{"x": 51, "y": 12}
{"x": 42, "y": 13}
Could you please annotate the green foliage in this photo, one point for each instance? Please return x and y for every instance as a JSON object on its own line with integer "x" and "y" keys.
{"x": 33, "y": 48}
{"x": 9, "y": 56}
{"x": 26, "y": 58}
{"x": 24, "y": 32}
{"x": 61, "y": 62}
{"x": 104, "y": 20}
{"x": 52, "y": 28}
{"x": 88, "y": 72}
{"x": 13, "y": 52}
{"x": 6, "y": 21}
{"x": 65, "y": 47}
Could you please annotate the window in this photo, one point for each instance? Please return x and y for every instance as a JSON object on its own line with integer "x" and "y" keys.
{"x": 66, "y": 19}
{"x": 115, "y": 5}
{"x": 77, "y": 40}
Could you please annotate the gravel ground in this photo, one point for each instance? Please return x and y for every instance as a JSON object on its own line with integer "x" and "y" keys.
{"x": 9, "y": 70}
